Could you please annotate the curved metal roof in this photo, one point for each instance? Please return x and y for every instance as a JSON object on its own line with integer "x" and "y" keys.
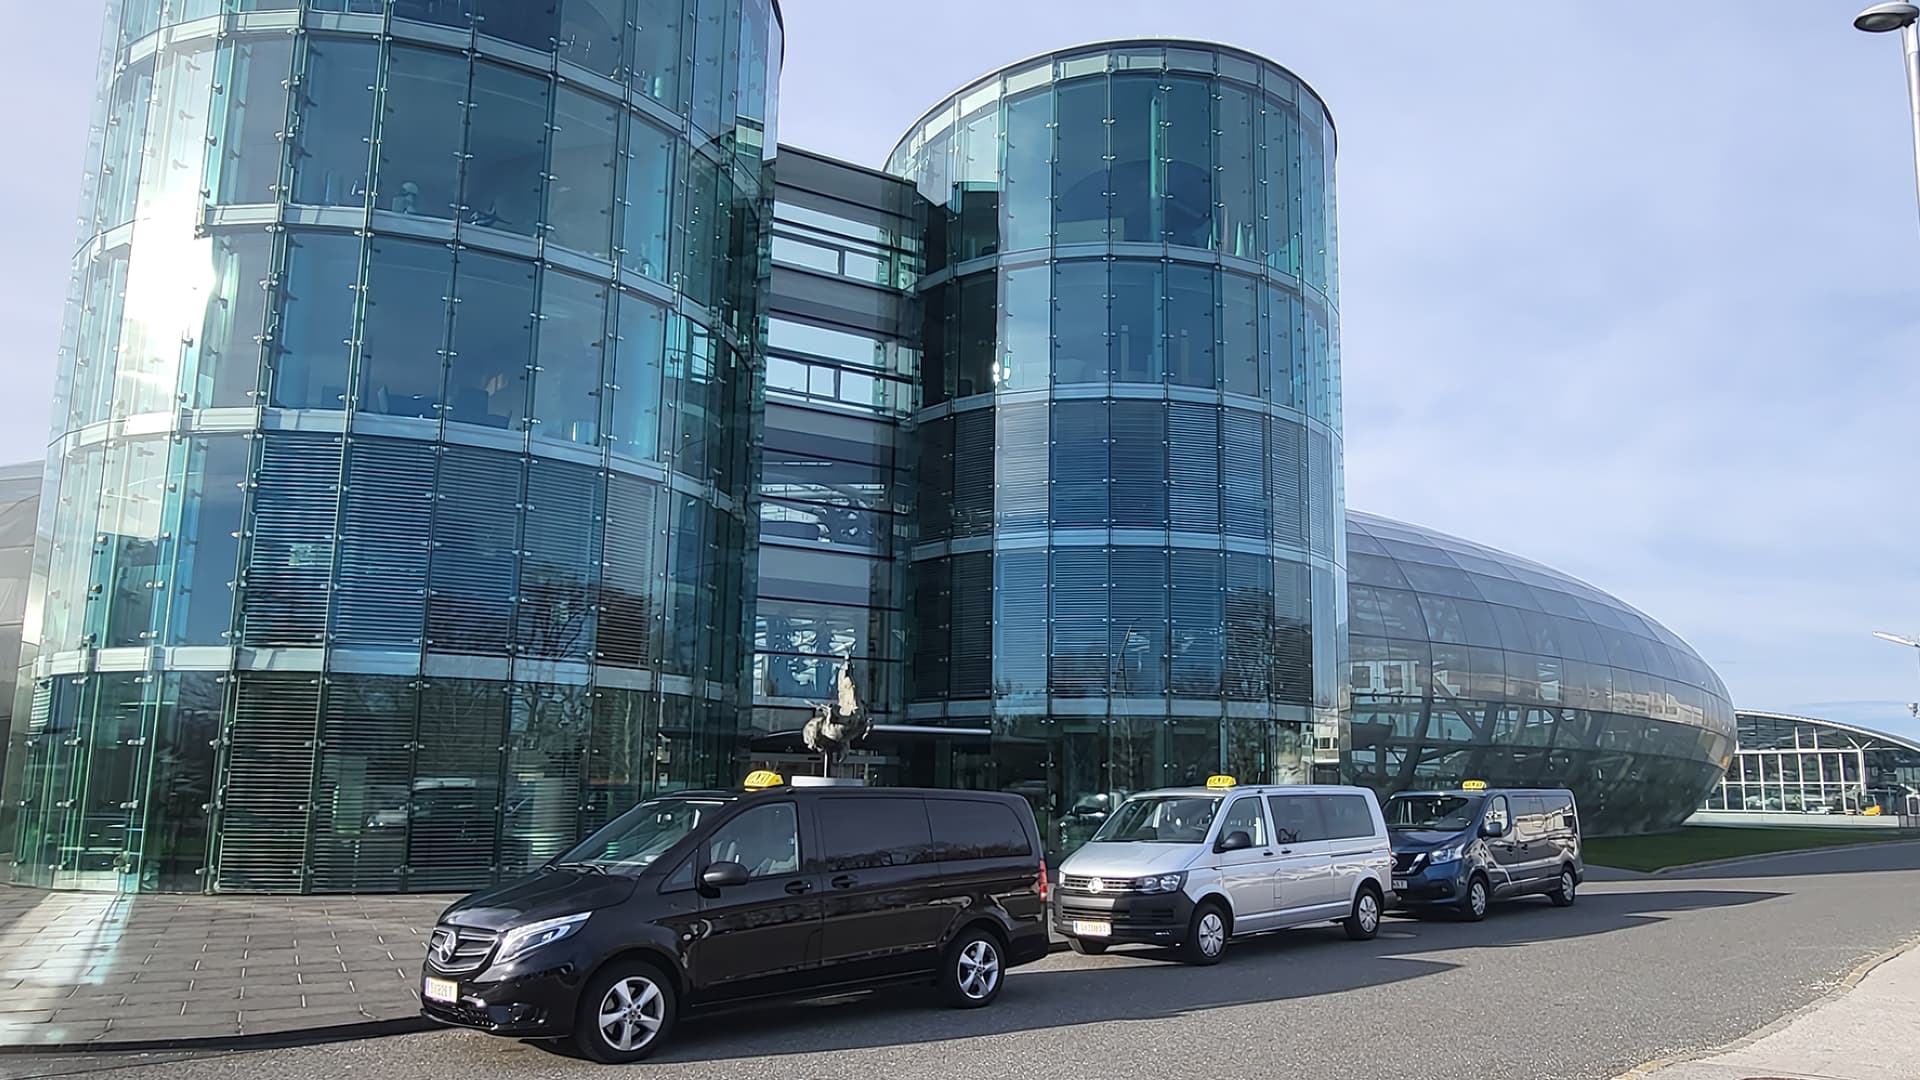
{"x": 1896, "y": 741}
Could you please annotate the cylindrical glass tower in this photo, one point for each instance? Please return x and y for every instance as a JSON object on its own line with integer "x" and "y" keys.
{"x": 397, "y": 515}
{"x": 1130, "y": 554}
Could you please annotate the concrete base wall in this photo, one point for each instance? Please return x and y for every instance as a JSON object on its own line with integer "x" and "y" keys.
{"x": 1774, "y": 819}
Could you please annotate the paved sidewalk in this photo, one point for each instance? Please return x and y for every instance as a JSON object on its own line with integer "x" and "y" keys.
{"x": 1868, "y": 1032}
{"x": 81, "y": 969}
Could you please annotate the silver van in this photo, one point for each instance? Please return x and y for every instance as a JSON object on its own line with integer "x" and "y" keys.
{"x": 1192, "y": 867}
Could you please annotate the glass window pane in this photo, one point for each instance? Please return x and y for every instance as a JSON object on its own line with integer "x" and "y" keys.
{"x": 765, "y": 840}
{"x": 649, "y": 200}
{"x": 206, "y": 558}
{"x": 711, "y": 76}
{"x": 1080, "y": 463}
{"x": 786, "y": 335}
{"x": 123, "y": 145}
{"x": 336, "y": 123}
{"x": 592, "y": 33}
{"x": 1080, "y": 180}
{"x": 525, "y": 22}
{"x": 1137, "y": 348}
{"x": 423, "y": 124}
{"x": 256, "y": 117}
{"x": 573, "y": 341}
{"x": 403, "y": 341}
{"x": 316, "y": 321}
{"x": 560, "y": 560}
{"x": 1186, "y": 156}
{"x": 975, "y": 371}
{"x": 1027, "y": 184}
{"x": 657, "y": 50}
{"x": 474, "y": 573}
{"x": 1239, "y": 193}
{"x": 580, "y": 189}
{"x": 1080, "y": 322}
{"x": 438, "y": 12}
{"x": 228, "y": 370}
{"x": 1025, "y": 328}
{"x": 1240, "y": 333}
{"x": 868, "y": 834}
{"x": 1138, "y": 463}
{"x": 546, "y": 732}
{"x": 492, "y": 341}
{"x": 506, "y": 149}
{"x": 1138, "y": 196}
{"x": 635, "y": 417}
{"x": 1190, "y": 329}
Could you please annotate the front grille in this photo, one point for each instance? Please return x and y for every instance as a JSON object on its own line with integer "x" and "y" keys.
{"x": 470, "y": 948}
{"x": 1076, "y": 883}
{"x": 1134, "y": 917}
{"x": 1404, "y": 862}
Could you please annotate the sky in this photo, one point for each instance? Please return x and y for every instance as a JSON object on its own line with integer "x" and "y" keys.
{"x": 1626, "y": 288}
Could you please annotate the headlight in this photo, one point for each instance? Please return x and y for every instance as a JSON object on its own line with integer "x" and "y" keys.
{"x": 1446, "y": 854}
{"x": 1161, "y": 883}
{"x": 524, "y": 939}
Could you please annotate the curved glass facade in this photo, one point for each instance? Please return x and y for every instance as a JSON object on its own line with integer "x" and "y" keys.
{"x": 1799, "y": 764}
{"x": 1129, "y": 562}
{"x": 1472, "y": 664}
{"x": 398, "y": 520}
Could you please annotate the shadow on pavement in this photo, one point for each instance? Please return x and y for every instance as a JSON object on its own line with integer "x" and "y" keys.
{"x": 1891, "y": 856}
{"x": 1146, "y": 984}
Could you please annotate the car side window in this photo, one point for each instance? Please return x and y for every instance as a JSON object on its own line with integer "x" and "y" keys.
{"x": 1347, "y": 816}
{"x": 976, "y": 829}
{"x": 1245, "y": 815}
{"x": 1296, "y": 819}
{"x": 865, "y": 833}
{"x": 765, "y": 840}
{"x": 1530, "y": 814}
{"x": 1497, "y": 812}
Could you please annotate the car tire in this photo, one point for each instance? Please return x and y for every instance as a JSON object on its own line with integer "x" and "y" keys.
{"x": 973, "y": 969}
{"x": 1364, "y": 923}
{"x": 1207, "y": 935}
{"x": 1479, "y": 897}
{"x": 626, "y": 1013}
{"x": 1563, "y": 894}
{"x": 1085, "y": 947}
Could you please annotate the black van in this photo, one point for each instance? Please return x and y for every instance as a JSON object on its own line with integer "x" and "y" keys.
{"x": 707, "y": 898}
{"x": 1461, "y": 850}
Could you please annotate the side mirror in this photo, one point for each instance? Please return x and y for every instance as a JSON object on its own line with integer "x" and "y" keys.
{"x": 724, "y": 875}
{"x": 1237, "y": 840}
{"x": 1493, "y": 830}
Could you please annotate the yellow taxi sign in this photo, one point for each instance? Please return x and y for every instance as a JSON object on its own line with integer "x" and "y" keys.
{"x": 1217, "y": 783}
{"x": 1474, "y": 785}
{"x": 763, "y": 778}
{"x": 1871, "y": 811}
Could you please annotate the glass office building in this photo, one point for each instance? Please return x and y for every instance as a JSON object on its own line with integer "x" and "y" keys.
{"x": 1799, "y": 764}
{"x": 1128, "y": 563}
{"x": 399, "y": 492}
{"x": 1473, "y": 664}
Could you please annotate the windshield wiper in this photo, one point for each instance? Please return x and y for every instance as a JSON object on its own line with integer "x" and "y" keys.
{"x": 590, "y": 867}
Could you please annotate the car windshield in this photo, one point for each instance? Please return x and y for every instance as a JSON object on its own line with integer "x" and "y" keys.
{"x": 631, "y": 842}
{"x": 1166, "y": 819}
{"x": 1442, "y": 813}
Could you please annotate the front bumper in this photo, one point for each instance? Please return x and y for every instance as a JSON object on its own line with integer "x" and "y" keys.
{"x": 1430, "y": 886}
{"x": 1135, "y": 918}
{"x": 520, "y": 1006}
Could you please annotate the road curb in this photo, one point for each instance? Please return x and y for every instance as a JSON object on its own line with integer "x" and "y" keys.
{"x": 266, "y": 1040}
{"x": 1853, "y": 978}
{"x": 271, "y": 1040}
{"x": 1764, "y": 856}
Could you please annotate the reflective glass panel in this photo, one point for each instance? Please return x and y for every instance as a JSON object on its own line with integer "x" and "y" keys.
{"x": 316, "y": 321}
{"x": 336, "y": 122}
{"x": 403, "y": 340}
{"x": 422, "y": 129}
{"x": 580, "y": 191}
{"x": 573, "y": 341}
{"x": 256, "y": 119}
{"x": 506, "y": 149}
{"x": 492, "y": 341}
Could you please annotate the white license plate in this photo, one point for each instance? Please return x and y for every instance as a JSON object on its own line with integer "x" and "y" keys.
{"x": 1399, "y": 884}
{"x": 1092, "y": 927}
{"x": 442, "y": 990}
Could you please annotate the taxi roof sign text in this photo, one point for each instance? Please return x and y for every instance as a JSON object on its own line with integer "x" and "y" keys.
{"x": 763, "y": 778}
{"x": 1474, "y": 785}
{"x": 1218, "y": 782}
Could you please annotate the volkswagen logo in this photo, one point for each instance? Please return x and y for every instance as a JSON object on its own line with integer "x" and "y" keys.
{"x": 444, "y": 943}
{"x": 1095, "y": 885}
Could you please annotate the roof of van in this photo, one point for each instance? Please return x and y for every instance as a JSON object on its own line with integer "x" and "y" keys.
{"x": 1264, "y": 789}
{"x": 1488, "y": 791}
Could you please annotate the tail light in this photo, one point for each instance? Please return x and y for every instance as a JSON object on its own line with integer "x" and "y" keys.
{"x": 1041, "y": 885}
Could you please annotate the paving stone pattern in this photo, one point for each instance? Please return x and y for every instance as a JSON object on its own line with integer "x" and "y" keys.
{"x": 81, "y": 968}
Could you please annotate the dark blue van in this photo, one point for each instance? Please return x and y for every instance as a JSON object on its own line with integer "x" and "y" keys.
{"x": 1462, "y": 850}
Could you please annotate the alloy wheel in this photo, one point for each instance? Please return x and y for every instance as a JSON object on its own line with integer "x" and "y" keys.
{"x": 631, "y": 1013}
{"x": 979, "y": 971}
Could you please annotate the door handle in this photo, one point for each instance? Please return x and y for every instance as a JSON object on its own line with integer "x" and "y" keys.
{"x": 797, "y": 888}
{"x": 844, "y": 881}
{"x": 1267, "y": 854}
{"x": 1284, "y": 851}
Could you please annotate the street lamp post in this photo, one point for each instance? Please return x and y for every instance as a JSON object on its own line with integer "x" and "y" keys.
{"x": 1898, "y": 640}
{"x": 1886, "y": 18}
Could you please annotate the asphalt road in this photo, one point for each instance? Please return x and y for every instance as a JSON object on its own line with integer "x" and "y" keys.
{"x": 1636, "y": 970}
